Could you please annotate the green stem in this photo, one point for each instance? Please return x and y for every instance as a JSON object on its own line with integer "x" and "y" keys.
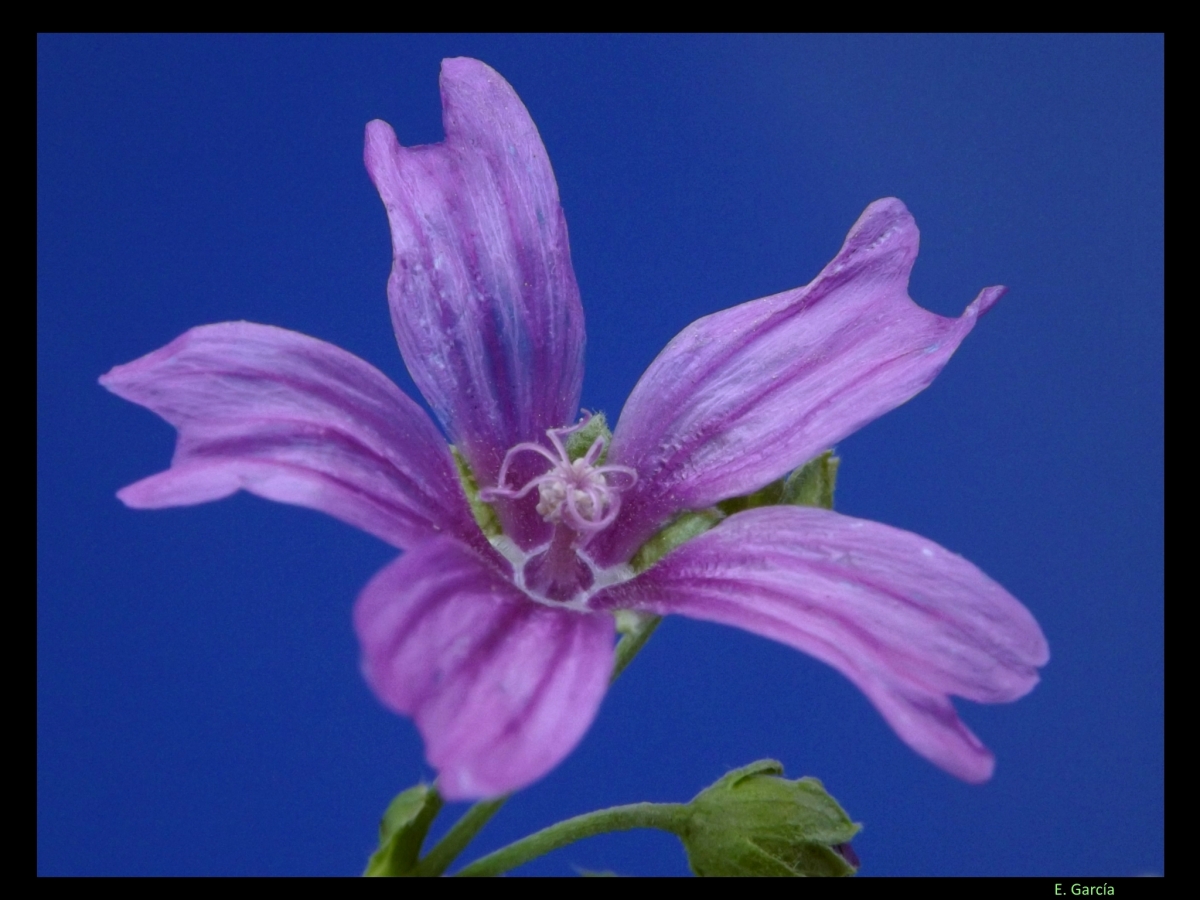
{"x": 437, "y": 860}
{"x": 445, "y": 851}
{"x": 663, "y": 816}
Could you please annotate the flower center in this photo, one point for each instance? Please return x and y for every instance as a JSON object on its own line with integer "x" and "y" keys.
{"x": 579, "y": 494}
{"x": 579, "y": 497}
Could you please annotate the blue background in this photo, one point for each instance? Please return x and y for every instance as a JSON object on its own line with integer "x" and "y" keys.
{"x": 200, "y": 709}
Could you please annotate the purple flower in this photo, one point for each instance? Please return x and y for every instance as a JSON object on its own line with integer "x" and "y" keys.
{"x": 495, "y": 629}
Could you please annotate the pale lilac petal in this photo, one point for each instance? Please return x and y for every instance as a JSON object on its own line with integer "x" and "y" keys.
{"x": 294, "y": 419}
{"x": 501, "y": 688}
{"x": 482, "y": 292}
{"x": 743, "y": 396}
{"x": 904, "y": 619}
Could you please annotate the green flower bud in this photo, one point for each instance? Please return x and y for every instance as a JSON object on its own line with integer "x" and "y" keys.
{"x": 754, "y": 822}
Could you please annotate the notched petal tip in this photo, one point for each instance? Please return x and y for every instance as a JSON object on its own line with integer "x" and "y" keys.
{"x": 482, "y": 293}
{"x": 128, "y": 380}
{"x": 742, "y": 396}
{"x": 184, "y": 486}
{"x": 986, "y": 300}
{"x": 910, "y": 623}
{"x": 295, "y": 420}
{"x": 466, "y": 80}
{"x": 466, "y": 70}
{"x": 885, "y": 238}
{"x": 379, "y": 144}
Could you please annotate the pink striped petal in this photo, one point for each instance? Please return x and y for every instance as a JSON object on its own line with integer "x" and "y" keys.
{"x": 904, "y": 619}
{"x": 741, "y": 397}
{"x": 482, "y": 292}
{"x": 501, "y": 688}
{"x": 296, "y": 420}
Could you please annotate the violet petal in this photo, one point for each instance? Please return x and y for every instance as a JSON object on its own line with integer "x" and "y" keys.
{"x": 482, "y": 292}
{"x": 906, "y": 620}
{"x": 501, "y": 688}
{"x": 297, "y": 420}
{"x": 741, "y": 397}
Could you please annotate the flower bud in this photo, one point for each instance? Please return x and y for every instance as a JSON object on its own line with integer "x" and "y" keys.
{"x": 754, "y": 822}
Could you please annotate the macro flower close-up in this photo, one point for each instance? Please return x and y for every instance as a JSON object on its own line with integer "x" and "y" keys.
{"x": 535, "y": 527}
{"x": 769, "y": 481}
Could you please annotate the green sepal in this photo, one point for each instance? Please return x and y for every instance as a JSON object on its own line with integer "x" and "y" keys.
{"x": 681, "y": 530}
{"x": 402, "y": 831}
{"x": 755, "y": 822}
{"x": 485, "y": 516}
{"x": 630, "y": 621}
{"x": 580, "y": 442}
{"x": 810, "y": 485}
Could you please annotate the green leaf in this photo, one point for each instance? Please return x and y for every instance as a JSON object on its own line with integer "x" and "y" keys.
{"x": 485, "y": 516}
{"x": 755, "y": 822}
{"x": 402, "y": 831}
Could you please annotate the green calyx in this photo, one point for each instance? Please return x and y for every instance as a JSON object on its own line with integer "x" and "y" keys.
{"x": 810, "y": 485}
{"x": 682, "y": 529}
{"x": 755, "y": 822}
{"x": 751, "y": 822}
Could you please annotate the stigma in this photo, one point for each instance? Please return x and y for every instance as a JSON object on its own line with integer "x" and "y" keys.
{"x": 580, "y": 495}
